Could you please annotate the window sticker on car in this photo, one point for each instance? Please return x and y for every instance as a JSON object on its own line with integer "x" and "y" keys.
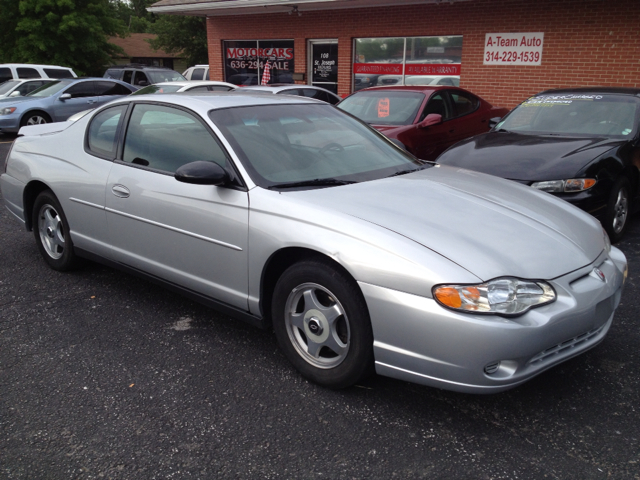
{"x": 548, "y": 100}
{"x": 383, "y": 108}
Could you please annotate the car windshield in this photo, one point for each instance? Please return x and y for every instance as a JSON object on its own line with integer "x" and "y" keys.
{"x": 158, "y": 76}
{"x": 575, "y": 114}
{"x": 8, "y": 85}
{"x": 158, "y": 89}
{"x": 384, "y": 107}
{"x": 307, "y": 145}
{"x": 48, "y": 89}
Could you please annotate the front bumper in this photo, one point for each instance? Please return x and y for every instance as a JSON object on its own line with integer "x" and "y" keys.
{"x": 10, "y": 123}
{"x": 418, "y": 341}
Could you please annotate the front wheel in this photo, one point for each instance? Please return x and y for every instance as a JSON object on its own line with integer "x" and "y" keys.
{"x": 322, "y": 324}
{"x": 35, "y": 118}
{"x": 51, "y": 231}
{"x": 618, "y": 209}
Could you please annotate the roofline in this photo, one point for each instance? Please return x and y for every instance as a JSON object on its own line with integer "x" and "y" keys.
{"x": 250, "y": 7}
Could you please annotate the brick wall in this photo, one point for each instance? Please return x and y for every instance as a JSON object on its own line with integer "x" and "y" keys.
{"x": 586, "y": 42}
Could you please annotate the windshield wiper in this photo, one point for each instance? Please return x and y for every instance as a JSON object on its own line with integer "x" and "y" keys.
{"x": 502, "y": 130}
{"x": 411, "y": 170}
{"x": 317, "y": 182}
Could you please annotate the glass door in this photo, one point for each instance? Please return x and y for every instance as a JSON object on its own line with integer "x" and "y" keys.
{"x": 323, "y": 64}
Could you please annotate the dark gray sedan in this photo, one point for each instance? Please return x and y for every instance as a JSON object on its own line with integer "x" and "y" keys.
{"x": 58, "y": 100}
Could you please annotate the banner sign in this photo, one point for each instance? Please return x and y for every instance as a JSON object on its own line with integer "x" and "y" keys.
{"x": 410, "y": 68}
{"x": 513, "y": 48}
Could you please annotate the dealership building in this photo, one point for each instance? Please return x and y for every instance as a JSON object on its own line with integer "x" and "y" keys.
{"x": 502, "y": 50}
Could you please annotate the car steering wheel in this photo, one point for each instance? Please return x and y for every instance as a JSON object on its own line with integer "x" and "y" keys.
{"x": 331, "y": 147}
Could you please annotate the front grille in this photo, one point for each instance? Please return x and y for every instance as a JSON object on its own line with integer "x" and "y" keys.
{"x": 564, "y": 346}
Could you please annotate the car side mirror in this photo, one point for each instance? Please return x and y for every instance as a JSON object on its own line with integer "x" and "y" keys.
{"x": 65, "y": 96}
{"x": 15, "y": 93}
{"x": 494, "y": 121}
{"x": 431, "y": 119}
{"x": 202, "y": 173}
{"x": 143, "y": 83}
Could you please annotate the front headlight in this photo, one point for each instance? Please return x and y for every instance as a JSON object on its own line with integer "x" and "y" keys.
{"x": 571, "y": 185}
{"x": 7, "y": 111}
{"x": 502, "y": 296}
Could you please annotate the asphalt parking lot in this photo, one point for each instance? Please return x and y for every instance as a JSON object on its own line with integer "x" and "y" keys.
{"x": 103, "y": 375}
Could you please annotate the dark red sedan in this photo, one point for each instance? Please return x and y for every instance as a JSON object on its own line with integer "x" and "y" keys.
{"x": 425, "y": 120}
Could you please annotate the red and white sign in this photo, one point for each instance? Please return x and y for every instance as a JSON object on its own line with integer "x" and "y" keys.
{"x": 513, "y": 48}
{"x": 409, "y": 69}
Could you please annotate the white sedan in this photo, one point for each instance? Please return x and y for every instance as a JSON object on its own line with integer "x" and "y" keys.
{"x": 290, "y": 214}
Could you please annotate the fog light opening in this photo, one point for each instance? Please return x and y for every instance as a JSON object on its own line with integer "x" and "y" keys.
{"x": 501, "y": 369}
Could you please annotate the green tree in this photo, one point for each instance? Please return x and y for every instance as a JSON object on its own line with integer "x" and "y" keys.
{"x": 72, "y": 33}
{"x": 186, "y": 35}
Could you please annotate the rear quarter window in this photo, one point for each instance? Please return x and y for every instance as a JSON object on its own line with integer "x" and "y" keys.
{"x": 5, "y": 74}
{"x": 58, "y": 73}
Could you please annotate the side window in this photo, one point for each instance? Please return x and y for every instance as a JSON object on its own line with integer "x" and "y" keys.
{"x": 446, "y": 81}
{"x": 58, "y": 73}
{"x": 111, "y": 88}
{"x": 128, "y": 76}
{"x": 437, "y": 104}
{"x": 201, "y": 88}
{"x": 197, "y": 74}
{"x": 80, "y": 90}
{"x": 24, "y": 72}
{"x": 165, "y": 138}
{"x": 5, "y": 74}
{"x": 141, "y": 79}
{"x": 103, "y": 130}
{"x": 112, "y": 73}
{"x": 206, "y": 77}
{"x": 464, "y": 103}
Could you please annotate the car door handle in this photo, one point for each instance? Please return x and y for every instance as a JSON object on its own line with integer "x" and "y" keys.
{"x": 120, "y": 191}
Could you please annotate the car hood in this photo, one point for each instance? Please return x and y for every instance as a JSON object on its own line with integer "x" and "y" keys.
{"x": 527, "y": 157}
{"x": 489, "y": 226}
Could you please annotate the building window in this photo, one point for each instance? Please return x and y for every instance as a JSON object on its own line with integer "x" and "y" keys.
{"x": 407, "y": 61}
{"x": 246, "y": 60}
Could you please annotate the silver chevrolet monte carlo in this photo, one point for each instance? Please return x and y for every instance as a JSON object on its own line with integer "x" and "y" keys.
{"x": 291, "y": 214}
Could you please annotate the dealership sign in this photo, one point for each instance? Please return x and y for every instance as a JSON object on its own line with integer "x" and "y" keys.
{"x": 513, "y": 48}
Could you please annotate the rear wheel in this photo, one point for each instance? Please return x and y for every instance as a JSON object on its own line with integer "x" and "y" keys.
{"x": 618, "y": 209}
{"x": 35, "y": 118}
{"x": 51, "y": 232}
{"x": 322, "y": 324}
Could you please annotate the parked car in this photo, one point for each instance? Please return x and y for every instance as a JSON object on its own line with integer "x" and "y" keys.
{"x": 424, "y": 120}
{"x": 17, "y": 71}
{"x": 293, "y": 215}
{"x": 197, "y": 72}
{"x": 58, "y": 100}
{"x": 190, "y": 86}
{"x": 142, "y": 75}
{"x": 293, "y": 89}
{"x": 579, "y": 144}
{"x": 20, "y": 88}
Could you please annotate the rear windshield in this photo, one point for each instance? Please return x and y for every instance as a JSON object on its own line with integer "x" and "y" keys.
{"x": 384, "y": 107}
{"x": 575, "y": 114}
{"x": 158, "y": 76}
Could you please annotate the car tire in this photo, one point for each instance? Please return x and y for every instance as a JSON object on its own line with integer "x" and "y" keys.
{"x": 322, "y": 324}
{"x": 35, "y": 118}
{"x": 618, "y": 209}
{"x": 51, "y": 231}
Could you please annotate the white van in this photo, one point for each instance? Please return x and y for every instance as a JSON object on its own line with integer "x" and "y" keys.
{"x": 198, "y": 72}
{"x": 16, "y": 71}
